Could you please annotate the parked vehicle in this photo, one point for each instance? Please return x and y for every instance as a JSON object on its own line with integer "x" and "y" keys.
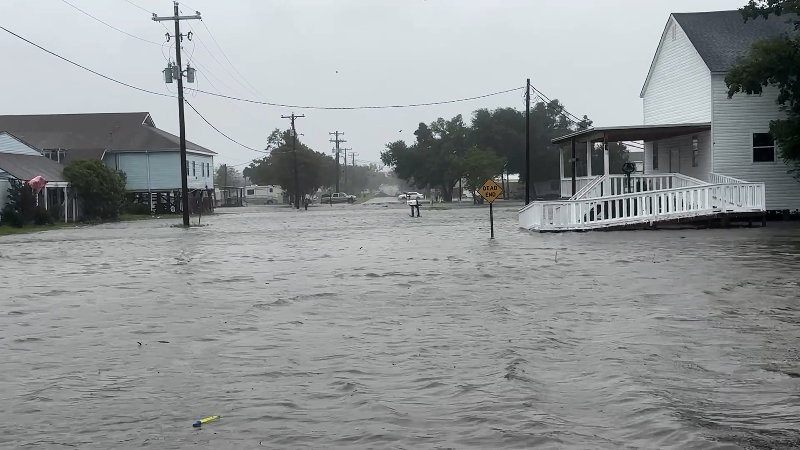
{"x": 263, "y": 195}
{"x": 338, "y": 197}
{"x": 411, "y": 196}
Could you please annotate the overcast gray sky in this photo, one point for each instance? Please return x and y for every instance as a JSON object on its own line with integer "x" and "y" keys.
{"x": 593, "y": 55}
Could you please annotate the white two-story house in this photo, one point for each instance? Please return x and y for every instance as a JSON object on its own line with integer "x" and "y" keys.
{"x": 708, "y": 154}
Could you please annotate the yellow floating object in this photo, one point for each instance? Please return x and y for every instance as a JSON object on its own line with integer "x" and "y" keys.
{"x": 206, "y": 420}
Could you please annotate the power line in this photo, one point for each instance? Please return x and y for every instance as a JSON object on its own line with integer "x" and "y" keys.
{"x": 580, "y": 119}
{"x": 134, "y": 4}
{"x": 226, "y": 58}
{"x": 334, "y": 108}
{"x": 350, "y": 108}
{"x": 83, "y": 67}
{"x": 195, "y": 36}
{"x": 223, "y": 134}
{"x": 111, "y": 26}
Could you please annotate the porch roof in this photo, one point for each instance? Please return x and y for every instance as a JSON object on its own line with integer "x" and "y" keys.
{"x": 646, "y": 133}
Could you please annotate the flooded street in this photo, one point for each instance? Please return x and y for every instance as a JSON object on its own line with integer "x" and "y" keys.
{"x": 351, "y": 327}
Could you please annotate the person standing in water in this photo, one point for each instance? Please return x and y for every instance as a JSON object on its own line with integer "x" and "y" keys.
{"x": 414, "y": 204}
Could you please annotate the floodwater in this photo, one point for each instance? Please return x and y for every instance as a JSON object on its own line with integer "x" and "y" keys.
{"x": 350, "y": 327}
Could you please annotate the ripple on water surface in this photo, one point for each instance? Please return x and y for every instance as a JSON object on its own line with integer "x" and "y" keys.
{"x": 356, "y": 328}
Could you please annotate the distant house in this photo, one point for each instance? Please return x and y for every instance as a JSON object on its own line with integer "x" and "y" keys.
{"x": 21, "y": 161}
{"x": 129, "y": 142}
{"x": 705, "y": 153}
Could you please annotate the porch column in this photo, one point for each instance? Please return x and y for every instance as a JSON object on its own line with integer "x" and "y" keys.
{"x": 574, "y": 166}
{"x": 561, "y": 170}
{"x": 589, "y": 147}
{"x": 66, "y": 206}
{"x": 606, "y": 168}
{"x": 45, "y": 197}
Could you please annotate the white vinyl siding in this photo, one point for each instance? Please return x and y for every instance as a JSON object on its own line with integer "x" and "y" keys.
{"x": 679, "y": 87}
{"x": 10, "y": 145}
{"x": 677, "y": 152}
{"x": 734, "y": 122}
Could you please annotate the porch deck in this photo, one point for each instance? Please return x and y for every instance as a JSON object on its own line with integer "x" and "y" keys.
{"x": 609, "y": 201}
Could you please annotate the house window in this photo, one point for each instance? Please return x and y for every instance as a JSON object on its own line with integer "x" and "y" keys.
{"x": 695, "y": 152}
{"x": 655, "y": 155}
{"x": 270, "y": 190}
{"x": 194, "y": 172}
{"x": 187, "y": 167}
{"x": 251, "y": 192}
{"x": 208, "y": 169}
{"x": 763, "y": 147}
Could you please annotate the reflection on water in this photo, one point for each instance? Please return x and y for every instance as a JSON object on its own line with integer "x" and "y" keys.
{"x": 348, "y": 327}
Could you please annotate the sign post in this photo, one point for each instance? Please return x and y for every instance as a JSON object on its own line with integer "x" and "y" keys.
{"x": 490, "y": 191}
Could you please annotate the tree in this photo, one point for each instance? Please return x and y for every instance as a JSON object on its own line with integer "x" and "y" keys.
{"x": 774, "y": 62}
{"x": 479, "y": 165}
{"x": 100, "y": 189}
{"x": 229, "y": 177}
{"x": 433, "y": 161}
{"x": 315, "y": 169}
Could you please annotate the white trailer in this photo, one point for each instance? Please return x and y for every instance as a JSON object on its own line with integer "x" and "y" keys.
{"x": 263, "y": 195}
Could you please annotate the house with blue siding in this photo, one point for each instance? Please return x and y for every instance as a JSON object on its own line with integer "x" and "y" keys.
{"x": 129, "y": 142}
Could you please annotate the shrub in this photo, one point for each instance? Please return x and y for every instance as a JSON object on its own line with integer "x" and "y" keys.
{"x": 12, "y": 217}
{"x": 100, "y": 189}
{"x": 139, "y": 209}
{"x": 42, "y": 216}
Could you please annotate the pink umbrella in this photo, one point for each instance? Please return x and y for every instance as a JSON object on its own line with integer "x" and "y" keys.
{"x": 37, "y": 183}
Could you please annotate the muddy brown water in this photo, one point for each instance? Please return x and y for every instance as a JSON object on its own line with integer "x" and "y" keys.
{"x": 352, "y": 327}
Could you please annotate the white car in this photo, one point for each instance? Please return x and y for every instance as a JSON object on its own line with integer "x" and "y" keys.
{"x": 411, "y": 196}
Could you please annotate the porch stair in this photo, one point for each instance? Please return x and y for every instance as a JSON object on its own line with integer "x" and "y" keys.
{"x": 613, "y": 201}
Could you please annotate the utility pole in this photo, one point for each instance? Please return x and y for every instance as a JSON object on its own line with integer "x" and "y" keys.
{"x": 225, "y": 187}
{"x": 528, "y": 141}
{"x": 337, "y": 141}
{"x": 175, "y": 72}
{"x": 294, "y": 150}
{"x": 344, "y": 153}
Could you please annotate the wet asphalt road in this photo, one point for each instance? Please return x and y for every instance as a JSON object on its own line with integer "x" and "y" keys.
{"x": 353, "y": 327}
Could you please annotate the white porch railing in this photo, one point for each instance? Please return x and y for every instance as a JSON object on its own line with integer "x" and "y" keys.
{"x": 642, "y": 207}
{"x": 715, "y": 178}
{"x": 592, "y": 189}
{"x": 580, "y": 183}
{"x": 618, "y": 184}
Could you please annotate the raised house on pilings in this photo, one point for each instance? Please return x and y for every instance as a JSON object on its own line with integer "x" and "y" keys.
{"x": 707, "y": 157}
{"x": 129, "y": 142}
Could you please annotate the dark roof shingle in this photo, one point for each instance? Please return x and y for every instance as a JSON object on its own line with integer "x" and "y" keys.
{"x": 721, "y": 37}
{"x": 129, "y": 132}
{"x": 26, "y": 167}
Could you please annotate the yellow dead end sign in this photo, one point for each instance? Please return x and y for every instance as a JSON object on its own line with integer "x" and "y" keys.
{"x": 490, "y": 191}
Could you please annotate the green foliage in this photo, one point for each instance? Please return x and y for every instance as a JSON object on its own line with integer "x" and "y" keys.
{"x": 138, "y": 209}
{"x": 228, "y": 176}
{"x": 436, "y": 158}
{"x": 100, "y": 189}
{"x": 315, "y": 169}
{"x": 12, "y": 217}
{"x": 20, "y": 208}
{"x": 478, "y": 165}
{"x": 42, "y": 217}
{"x": 774, "y": 62}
